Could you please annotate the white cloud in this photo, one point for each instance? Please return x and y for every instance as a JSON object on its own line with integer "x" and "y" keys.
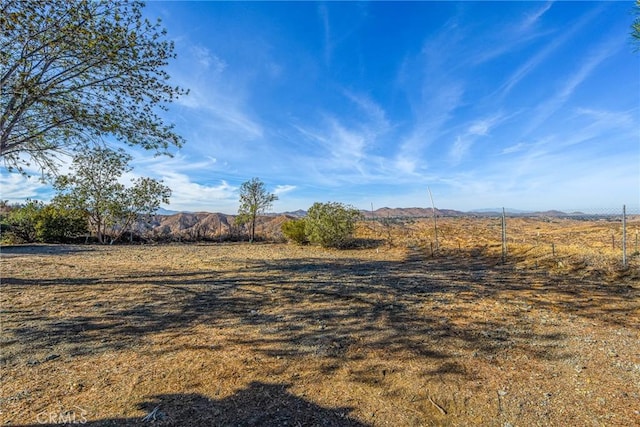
{"x": 18, "y": 188}
{"x": 283, "y": 189}
{"x": 459, "y": 149}
{"x": 479, "y": 128}
{"x": 520, "y": 146}
{"x": 207, "y": 60}
{"x": 188, "y": 195}
{"x": 405, "y": 165}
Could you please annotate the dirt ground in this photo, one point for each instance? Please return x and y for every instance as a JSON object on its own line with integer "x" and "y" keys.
{"x": 274, "y": 334}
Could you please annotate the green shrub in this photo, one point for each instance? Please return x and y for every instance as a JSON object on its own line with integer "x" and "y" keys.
{"x": 20, "y": 223}
{"x": 294, "y": 231}
{"x": 331, "y": 224}
{"x": 59, "y": 224}
{"x": 37, "y": 222}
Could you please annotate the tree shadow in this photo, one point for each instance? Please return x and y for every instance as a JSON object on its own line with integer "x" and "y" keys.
{"x": 259, "y": 404}
{"x": 325, "y": 308}
{"x": 42, "y": 249}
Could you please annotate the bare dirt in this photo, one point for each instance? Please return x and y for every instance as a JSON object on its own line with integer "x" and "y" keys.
{"x": 274, "y": 334}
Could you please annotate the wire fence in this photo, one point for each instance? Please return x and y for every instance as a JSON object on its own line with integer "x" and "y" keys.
{"x": 578, "y": 240}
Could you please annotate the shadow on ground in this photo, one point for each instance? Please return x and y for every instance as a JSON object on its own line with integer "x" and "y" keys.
{"x": 42, "y": 249}
{"x": 259, "y": 404}
{"x": 322, "y": 307}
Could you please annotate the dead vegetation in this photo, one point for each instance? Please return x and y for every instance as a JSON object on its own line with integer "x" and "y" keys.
{"x": 274, "y": 334}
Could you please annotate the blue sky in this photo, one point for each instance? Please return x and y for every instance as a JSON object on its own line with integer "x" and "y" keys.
{"x": 528, "y": 105}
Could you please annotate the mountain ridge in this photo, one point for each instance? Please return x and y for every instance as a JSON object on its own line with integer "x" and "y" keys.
{"x": 215, "y": 225}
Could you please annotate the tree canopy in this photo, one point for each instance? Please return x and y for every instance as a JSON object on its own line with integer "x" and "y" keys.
{"x": 73, "y": 72}
{"x": 94, "y": 187}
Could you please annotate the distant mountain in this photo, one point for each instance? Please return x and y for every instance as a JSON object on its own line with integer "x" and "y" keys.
{"x": 410, "y": 213}
{"x": 518, "y": 212}
{"x": 192, "y": 226}
{"x": 499, "y": 210}
{"x": 163, "y": 211}
{"x": 300, "y": 213}
{"x": 211, "y": 226}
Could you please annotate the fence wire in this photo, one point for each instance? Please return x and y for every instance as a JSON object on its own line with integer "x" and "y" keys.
{"x": 603, "y": 238}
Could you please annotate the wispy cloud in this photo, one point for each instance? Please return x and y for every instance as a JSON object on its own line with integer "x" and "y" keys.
{"x": 597, "y": 56}
{"x": 377, "y": 118}
{"x": 323, "y": 14}
{"x": 478, "y": 128}
{"x": 431, "y": 119}
{"x": 283, "y": 189}
{"x": 565, "y": 35}
{"x": 484, "y": 126}
{"x": 206, "y": 59}
{"x": 344, "y": 147}
{"x": 531, "y": 19}
{"x": 217, "y": 95}
{"x": 515, "y": 148}
{"x": 435, "y": 91}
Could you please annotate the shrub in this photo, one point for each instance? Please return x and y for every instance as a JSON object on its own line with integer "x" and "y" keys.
{"x": 20, "y": 223}
{"x": 37, "y": 222}
{"x": 294, "y": 231}
{"x": 59, "y": 224}
{"x": 331, "y": 224}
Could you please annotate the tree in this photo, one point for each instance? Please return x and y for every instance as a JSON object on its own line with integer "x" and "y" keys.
{"x": 73, "y": 72}
{"x": 331, "y": 224}
{"x": 94, "y": 187}
{"x": 254, "y": 199}
{"x": 143, "y": 200}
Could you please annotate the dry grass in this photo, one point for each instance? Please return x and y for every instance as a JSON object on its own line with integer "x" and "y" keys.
{"x": 273, "y": 334}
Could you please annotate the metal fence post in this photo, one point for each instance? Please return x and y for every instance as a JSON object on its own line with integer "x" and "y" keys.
{"x": 624, "y": 236}
{"x": 504, "y": 236}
